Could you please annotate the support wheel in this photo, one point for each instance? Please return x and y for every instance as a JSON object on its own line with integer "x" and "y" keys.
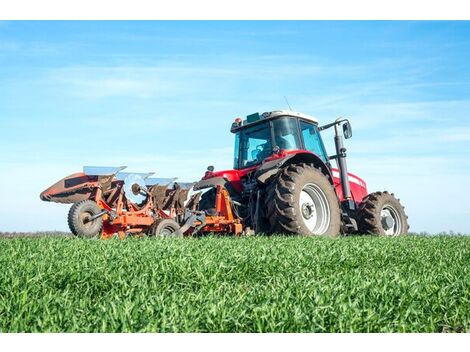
{"x": 301, "y": 200}
{"x": 80, "y": 219}
{"x": 380, "y": 213}
{"x": 165, "y": 228}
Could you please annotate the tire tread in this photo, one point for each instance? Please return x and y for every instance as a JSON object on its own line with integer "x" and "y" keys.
{"x": 280, "y": 197}
{"x": 368, "y": 221}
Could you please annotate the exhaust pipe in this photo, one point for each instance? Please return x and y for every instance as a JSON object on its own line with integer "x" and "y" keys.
{"x": 341, "y": 160}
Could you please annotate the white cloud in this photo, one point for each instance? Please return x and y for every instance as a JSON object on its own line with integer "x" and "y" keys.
{"x": 191, "y": 74}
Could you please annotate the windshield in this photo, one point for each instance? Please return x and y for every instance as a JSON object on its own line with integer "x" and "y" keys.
{"x": 253, "y": 144}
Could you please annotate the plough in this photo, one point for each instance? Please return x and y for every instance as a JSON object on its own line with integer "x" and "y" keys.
{"x": 108, "y": 202}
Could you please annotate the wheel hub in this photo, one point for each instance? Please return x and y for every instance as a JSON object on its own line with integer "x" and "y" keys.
{"x": 166, "y": 232}
{"x": 387, "y": 222}
{"x": 390, "y": 220}
{"x": 85, "y": 218}
{"x": 307, "y": 210}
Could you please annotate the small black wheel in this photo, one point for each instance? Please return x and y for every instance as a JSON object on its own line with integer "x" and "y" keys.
{"x": 380, "y": 213}
{"x": 165, "y": 228}
{"x": 79, "y": 219}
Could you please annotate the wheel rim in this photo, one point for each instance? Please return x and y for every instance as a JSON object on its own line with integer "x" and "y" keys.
{"x": 390, "y": 220}
{"x": 314, "y": 209}
{"x": 167, "y": 232}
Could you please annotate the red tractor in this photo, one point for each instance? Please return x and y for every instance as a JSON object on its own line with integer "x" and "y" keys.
{"x": 282, "y": 182}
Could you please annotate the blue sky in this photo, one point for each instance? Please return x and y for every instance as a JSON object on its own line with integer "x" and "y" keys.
{"x": 160, "y": 96}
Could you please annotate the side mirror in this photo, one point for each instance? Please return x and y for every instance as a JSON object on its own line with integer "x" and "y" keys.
{"x": 347, "y": 130}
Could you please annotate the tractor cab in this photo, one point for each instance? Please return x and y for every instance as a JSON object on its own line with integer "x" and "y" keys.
{"x": 260, "y": 136}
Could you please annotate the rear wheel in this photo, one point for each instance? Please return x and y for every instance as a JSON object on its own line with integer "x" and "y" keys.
{"x": 301, "y": 200}
{"x": 80, "y": 219}
{"x": 382, "y": 214}
{"x": 165, "y": 228}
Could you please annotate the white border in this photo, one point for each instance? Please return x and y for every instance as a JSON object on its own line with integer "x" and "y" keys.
{"x": 239, "y": 9}
{"x": 234, "y": 342}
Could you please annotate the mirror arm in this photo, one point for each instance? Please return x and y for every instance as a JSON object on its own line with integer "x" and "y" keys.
{"x": 336, "y": 122}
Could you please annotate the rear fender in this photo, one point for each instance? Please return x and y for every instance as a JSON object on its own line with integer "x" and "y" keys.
{"x": 270, "y": 168}
{"x": 210, "y": 182}
{"x": 214, "y": 182}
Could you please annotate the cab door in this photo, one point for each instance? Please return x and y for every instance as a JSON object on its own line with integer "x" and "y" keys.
{"x": 312, "y": 139}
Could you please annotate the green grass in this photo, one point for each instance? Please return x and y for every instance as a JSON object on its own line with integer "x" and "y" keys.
{"x": 256, "y": 284}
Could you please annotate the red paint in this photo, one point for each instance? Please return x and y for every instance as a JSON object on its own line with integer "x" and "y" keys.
{"x": 233, "y": 176}
{"x": 357, "y": 185}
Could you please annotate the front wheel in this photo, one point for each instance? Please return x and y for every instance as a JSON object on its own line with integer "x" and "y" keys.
{"x": 301, "y": 200}
{"x": 380, "y": 213}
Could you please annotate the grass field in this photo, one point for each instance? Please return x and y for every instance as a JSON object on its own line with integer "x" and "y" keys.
{"x": 254, "y": 284}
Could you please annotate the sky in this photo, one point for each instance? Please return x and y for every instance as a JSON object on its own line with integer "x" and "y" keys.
{"x": 161, "y": 96}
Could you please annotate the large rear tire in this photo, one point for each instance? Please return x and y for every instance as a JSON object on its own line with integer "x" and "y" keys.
{"x": 380, "y": 213}
{"x": 301, "y": 200}
{"x": 78, "y": 219}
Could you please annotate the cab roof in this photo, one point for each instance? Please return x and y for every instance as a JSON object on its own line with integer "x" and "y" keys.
{"x": 276, "y": 113}
{"x": 256, "y": 118}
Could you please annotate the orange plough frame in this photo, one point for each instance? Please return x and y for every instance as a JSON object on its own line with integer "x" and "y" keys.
{"x": 225, "y": 220}
{"x": 123, "y": 218}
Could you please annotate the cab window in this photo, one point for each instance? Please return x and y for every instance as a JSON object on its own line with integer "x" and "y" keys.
{"x": 255, "y": 144}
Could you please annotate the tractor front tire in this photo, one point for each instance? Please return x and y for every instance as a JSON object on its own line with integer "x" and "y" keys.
{"x": 380, "y": 213}
{"x": 301, "y": 200}
{"x": 79, "y": 216}
{"x": 164, "y": 228}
